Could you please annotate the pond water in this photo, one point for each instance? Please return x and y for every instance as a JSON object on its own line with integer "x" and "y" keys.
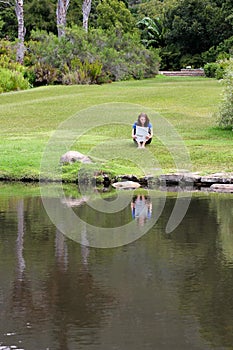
{"x": 162, "y": 291}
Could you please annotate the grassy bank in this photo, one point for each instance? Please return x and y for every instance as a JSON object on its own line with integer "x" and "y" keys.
{"x": 29, "y": 118}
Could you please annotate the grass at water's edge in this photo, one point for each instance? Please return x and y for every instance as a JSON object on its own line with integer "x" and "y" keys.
{"x": 28, "y": 120}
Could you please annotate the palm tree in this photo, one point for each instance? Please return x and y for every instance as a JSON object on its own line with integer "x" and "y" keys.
{"x": 152, "y": 31}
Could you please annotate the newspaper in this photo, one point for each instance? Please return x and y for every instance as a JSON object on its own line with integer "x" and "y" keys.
{"x": 141, "y": 133}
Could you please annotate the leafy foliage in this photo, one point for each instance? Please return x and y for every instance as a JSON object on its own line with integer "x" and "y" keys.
{"x": 222, "y": 51}
{"x": 82, "y": 72}
{"x": 13, "y": 76}
{"x": 114, "y": 14}
{"x": 152, "y": 31}
{"x": 40, "y": 15}
{"x": 226, "y": 108}
{"x": 96, "y": 57}
{"x": 11, "y": 80}
{"x": 190, "y": 25}
{"x": 216, "y": 69}
{"x": 187, "y": 32}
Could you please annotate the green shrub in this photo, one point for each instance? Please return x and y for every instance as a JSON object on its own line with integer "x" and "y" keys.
{"x": 81, "y": 58}
{"x": 220, "y": 71}
{"x": 216, "y": 69}
{"x": 7, "y": 62}
{"x": 170, "y": 57}
{"x": 194, "y": 61}
{"x": 222, "y": 51}
{"x": 8, "y": 48}
{"x": 226, "y": 107}
{"x": 210, "y": 69}
{"x": 88, "y": 72}
{"x": 30, "y": 75}
{"x": 12, "y": 80}
{"x": 124, "y": 57}
{"x": 44, "y": 74}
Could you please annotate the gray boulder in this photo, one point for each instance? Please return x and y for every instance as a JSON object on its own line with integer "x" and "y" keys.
{"x": 74, "y": 156}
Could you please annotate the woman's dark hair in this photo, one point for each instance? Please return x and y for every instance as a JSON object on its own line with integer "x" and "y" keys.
{"x": 146, "y": 117}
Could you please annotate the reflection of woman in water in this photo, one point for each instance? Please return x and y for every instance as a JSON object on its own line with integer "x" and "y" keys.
{"x": 141, "y": 207}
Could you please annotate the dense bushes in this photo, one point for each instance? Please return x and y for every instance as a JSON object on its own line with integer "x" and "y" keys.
{"x": 82, "y": 72}
{"x": 94, "y": 57}
{"x": 216, "y": 69}
{"x": 223, "y": 51}
{"x": 13, "y": 75}
{"x": 226, "y": 108}
{"x": 79, "y": 58}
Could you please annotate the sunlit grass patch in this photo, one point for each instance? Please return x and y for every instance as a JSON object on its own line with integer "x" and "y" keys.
{"x": 29, "y": 118}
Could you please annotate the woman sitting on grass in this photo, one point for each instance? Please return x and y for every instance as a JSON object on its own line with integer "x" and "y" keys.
{"x": 142, "y": 131}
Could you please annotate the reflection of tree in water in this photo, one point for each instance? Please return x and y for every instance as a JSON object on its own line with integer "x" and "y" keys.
{"x": 21, "y": 295}
{"x": 224, "y": 208}
{"x": 67, "y": 296}
{"x": 27, "y": 303}
{"x": 75, "y": 298}
{"x": 208, "y": 284}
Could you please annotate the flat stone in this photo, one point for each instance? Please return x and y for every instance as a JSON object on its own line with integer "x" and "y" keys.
{"x": 224, "y": 188}
{"x": 192, "y": 177}
{"x": 171, "y": 178}
{"x": 71, "y": 157}
{"x": 126, "y": 185}
{"x": 180, "y": 177}
{"x": 218, "y": 178}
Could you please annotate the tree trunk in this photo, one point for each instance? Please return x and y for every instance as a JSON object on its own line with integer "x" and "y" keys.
{"x": 86, "y": 8}
{"x": 21, "y": 30}
{"x": 62, "y": 8}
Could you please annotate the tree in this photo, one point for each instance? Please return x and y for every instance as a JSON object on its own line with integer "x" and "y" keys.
{"x": 62, "y": 8}
{"x": 114, "y": 14}
{"x": 191, "y": 24}
{"x": 10, "y": 26}
{"x": 226, "y": 107}
{"x": 21, "y": 30}
{"x": 75, "y": 13}
{"x": 1, "y": 24}
{"x": 154, "y": 8}
{"x": 19, "y": 11}
{"x": 40, "y": 15}
{"x": 86, "y": 8}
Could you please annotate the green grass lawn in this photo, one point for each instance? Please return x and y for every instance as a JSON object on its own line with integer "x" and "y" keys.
{"x": 28, "y": 119}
